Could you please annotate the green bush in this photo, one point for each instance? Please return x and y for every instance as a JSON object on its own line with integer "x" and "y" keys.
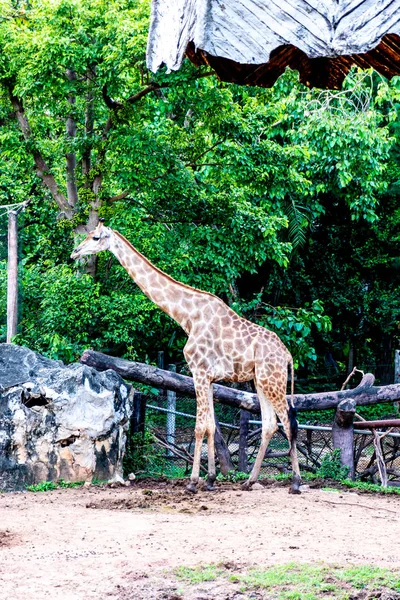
{"x": 331, "y": 467}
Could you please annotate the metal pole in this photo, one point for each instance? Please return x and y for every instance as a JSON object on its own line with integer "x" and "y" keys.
{"x": 171, "y": 416}
{"x": 12, "y": 272}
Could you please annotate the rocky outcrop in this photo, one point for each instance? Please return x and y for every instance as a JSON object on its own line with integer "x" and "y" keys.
{"x": 59, "y": 421}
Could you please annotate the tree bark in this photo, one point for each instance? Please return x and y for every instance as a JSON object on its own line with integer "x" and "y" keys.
{"x": 364, "y": 394}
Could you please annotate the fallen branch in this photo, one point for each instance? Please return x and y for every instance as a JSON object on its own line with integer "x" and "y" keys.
{"x": 365, "y": 393}
{"x": 358, "y": 506}
{"x": 380, "y": 461}
{"x": 177, "y": 451}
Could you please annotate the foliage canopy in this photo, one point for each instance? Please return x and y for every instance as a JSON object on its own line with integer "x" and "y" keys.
{"x": 281, "y": 201}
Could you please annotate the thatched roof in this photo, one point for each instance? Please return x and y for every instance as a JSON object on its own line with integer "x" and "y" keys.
{"x": 253, "y": 41}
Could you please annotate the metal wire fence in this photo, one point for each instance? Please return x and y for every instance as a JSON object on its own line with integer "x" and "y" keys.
{"x": 170, "y": 440}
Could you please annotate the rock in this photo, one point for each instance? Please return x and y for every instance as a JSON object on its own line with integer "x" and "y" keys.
{"x": 257, "y": 486}
{"x": 116, "y": 480}
{"x": 59, "y": 421}
{"x": 304, "y": 488}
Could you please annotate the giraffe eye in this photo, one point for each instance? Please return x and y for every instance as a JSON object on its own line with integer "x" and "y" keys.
{"x": 95, "y": 238}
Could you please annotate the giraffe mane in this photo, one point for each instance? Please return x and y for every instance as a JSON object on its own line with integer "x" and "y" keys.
{"x": 185, "y": 285}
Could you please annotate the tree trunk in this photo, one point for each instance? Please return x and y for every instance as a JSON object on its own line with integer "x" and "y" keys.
{"x": 89, "y": 124}
{"x": 364, "y": 394}
{"x": 70, "y": 128}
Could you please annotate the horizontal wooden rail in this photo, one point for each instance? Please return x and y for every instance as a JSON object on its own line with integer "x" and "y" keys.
{"x": 376, "y": 424}
{"x": 365, "y": 393}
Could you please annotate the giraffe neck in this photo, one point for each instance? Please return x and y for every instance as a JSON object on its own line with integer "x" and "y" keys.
{"x": 170, "y": 295}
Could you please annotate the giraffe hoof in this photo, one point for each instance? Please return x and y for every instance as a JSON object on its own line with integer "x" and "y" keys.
{"x": 191, "y": 487}
{"x": 210, "y": 487}
{"x": 295, "y": 487}
{"x": 246, "y": 486}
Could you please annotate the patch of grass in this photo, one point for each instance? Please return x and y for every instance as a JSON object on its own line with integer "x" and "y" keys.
{"x": 363, "y": 486}
{"x": 296, "y": 581}
{"x": 199, "y": 574}
{"x": 46, "y": 486}
{"x": 366, "y": 576}
{"x": 305, "y": 476}
{"x": 233, "y": 476}
{"x": 96, "y": 481}
{"x": 69, "y": 484}
{"x": 369, "y": 487}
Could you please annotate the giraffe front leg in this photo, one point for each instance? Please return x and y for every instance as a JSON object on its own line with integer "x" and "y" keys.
{"x": 194, "y": 477}
{"x": 200, "y": 430}
{"x": 212, "y": 475}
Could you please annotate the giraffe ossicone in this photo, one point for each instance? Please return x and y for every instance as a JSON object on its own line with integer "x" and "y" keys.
{"x": 221, "y": 345}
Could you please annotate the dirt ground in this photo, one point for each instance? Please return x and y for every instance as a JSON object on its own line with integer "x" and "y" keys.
{"x": 124, "y": 543}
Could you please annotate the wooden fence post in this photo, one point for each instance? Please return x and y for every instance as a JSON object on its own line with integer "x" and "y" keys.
{"x": 243, "y": 464}
{"x": 397, "y": 366}
{"x": 343, "y": 433}
{"x": 139, "y": 413}
{"x": 396, "y": 375}
{"x": 12, "y": 276}
{"x": 222, "y": 450}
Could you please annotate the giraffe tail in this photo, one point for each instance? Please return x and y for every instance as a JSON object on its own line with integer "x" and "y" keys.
{"x": 292, "y": 413}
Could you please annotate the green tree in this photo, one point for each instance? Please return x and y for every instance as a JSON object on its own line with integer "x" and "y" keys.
{"x": 221, "y": 186}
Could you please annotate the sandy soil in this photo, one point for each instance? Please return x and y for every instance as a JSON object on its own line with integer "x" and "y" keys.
{"x": 124, "y": 543}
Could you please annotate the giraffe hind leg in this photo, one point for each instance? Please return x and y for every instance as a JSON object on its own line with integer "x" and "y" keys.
{"x": 289, "y": 422}
{"x": 212, "y": 475}
{"x": 269, "y": 427}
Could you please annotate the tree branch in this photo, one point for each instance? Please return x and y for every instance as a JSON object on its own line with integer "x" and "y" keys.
{"x": 70, "y": 127}
{"x": 115, "y": 105}
{"x": 89, "y": 124}
{"x": 43, "y": 170}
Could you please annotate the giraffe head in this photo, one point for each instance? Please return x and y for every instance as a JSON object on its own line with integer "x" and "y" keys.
{"x": 96, "y": 241}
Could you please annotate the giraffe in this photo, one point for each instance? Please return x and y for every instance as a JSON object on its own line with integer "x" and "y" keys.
{"x": 221, "y": 345}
